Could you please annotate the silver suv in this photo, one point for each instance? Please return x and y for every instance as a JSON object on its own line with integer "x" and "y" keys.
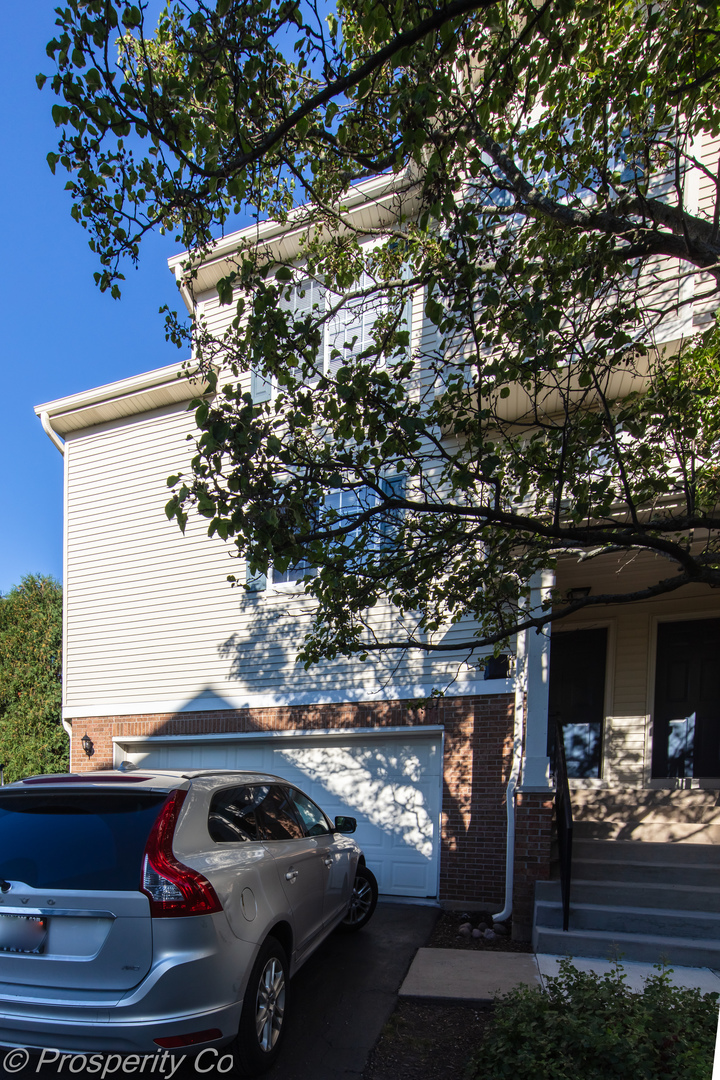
{"x": 149, "y": 911}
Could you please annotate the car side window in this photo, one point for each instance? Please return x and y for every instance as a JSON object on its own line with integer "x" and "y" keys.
{"x": 233, "y": 815}
{"x": 312, "y": 817}
{"x": 279, "y": 817}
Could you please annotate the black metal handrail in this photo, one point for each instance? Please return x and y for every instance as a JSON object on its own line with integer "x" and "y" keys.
{"x": 563, "y": 820}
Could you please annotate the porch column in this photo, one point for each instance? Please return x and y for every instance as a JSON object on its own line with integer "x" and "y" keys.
{"x": 536, "y": 763}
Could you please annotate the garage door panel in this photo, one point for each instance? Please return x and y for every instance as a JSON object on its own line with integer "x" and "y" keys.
{"x": 372, "y": 841}
{"x": 407, "y": 878}
{"x": 391, "y": 784}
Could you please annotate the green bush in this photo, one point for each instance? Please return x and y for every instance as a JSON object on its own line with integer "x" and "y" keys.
{"x": 593, "y": 1027}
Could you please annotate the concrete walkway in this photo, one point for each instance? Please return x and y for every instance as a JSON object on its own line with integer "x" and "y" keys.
{"x": 462, "y": 975}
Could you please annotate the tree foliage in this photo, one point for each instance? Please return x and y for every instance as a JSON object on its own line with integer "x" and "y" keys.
{"x": 32, "y": 739}
{"x": 544, "y": 160}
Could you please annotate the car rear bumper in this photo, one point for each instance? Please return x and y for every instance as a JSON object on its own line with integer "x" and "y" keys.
{"x": 108, "y": 1036}
{"x": 196, "y": 984}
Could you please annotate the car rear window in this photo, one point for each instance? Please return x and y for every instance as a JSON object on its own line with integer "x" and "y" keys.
{"x": 76, "y": 840}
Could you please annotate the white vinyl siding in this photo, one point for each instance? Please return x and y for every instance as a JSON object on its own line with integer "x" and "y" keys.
{"x": 152, "y": 623}
{"x": 708, "y": 197}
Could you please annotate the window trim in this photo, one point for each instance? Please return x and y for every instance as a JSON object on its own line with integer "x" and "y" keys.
{"x": 393, "y": 485}
{"x": 263, "y": 389}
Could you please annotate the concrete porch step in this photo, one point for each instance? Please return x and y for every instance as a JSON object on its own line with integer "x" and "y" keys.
{"x": 680, "y": 896}
{"x": 676, "y": 832}
{"x": 643, "y": 852}
{"x": 619, "y": 918}
{"x": 640, "y": 899}
{"x": 653, "y": 873}
{"x": 650, "y": 948}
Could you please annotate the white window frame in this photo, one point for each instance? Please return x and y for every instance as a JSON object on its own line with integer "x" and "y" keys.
{"x": 267, "y": 583}
{"x": 262, "y": 389}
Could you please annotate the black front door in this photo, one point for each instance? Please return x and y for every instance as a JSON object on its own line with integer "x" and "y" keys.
{"x": 686, "y": 720}
{"x": 577, "y": 696}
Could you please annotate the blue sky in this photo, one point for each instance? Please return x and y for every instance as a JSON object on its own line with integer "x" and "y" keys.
{"x": 60, "y": 334}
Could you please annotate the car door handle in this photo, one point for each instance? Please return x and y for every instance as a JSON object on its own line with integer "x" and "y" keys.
{"x": 291, "y": 875}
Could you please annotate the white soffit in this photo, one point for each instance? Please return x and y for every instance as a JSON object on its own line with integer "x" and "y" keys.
{"x": 127, "y": 397}
{"x": 372, "y": 204}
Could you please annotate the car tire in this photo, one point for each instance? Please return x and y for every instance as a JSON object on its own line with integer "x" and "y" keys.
{"x": 263, "y": 1016}
{"x": 363, "y": 901}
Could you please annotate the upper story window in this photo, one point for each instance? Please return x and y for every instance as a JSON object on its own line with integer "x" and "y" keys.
{"x": 340, "y": 507}
{"x": 347, "y": 334}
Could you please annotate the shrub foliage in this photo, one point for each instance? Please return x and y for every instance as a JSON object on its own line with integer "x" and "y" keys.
{"x": 595, "y": 1028}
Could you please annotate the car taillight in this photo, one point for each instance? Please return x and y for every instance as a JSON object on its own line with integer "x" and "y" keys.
{"x": 172, "y": 887}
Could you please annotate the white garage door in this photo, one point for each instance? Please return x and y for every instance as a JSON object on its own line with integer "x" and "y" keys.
{"x": 390, "y": 781}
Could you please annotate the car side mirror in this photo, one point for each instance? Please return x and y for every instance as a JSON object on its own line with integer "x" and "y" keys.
{"x": 345, "y": 824}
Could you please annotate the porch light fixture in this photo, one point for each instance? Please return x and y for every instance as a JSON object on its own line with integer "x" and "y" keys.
{"x": 87, "y": 745}
{"x": 580, "y": 593}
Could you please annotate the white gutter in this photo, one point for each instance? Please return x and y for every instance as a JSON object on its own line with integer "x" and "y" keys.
{"x": 520, "y": 688}
{"x": 145, "y": 382}
{"x": 53, "y": 435}
{"x": 374, "y": 190}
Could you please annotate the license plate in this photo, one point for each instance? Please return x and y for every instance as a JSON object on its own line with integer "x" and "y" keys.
{"x": 22, "y": 933}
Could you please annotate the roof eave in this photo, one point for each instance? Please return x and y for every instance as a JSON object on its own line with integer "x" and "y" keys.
{"x": 126, "y": 397}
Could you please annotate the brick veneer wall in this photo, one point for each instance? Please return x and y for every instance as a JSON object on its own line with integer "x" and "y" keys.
{"x": 533, "y": 828}
{"x": 477, "y": 760}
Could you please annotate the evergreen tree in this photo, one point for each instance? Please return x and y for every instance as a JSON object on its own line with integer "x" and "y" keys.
{"x": 32, "y": 739}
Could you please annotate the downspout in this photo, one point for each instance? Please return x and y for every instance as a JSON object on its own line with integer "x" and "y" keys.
{"x": 56, "y": 441}
{"x": 52, "y": 435}
{"x": 520, "y": 687}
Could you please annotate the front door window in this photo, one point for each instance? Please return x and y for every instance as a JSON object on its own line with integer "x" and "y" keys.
{"x": 686, "y": 717}
{"x": 577, "y": 697}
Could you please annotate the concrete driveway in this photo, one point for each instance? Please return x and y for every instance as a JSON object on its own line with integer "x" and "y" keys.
{"x": 340, "y": 1000}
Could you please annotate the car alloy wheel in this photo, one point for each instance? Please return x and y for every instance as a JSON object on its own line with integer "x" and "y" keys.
{"x": 270, "y": 1004}
{"x": 262, "y": 1019}
{"x": 363, "y": 900}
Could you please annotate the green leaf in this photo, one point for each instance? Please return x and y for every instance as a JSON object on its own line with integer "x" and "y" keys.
{"x": 131, "y": 17}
